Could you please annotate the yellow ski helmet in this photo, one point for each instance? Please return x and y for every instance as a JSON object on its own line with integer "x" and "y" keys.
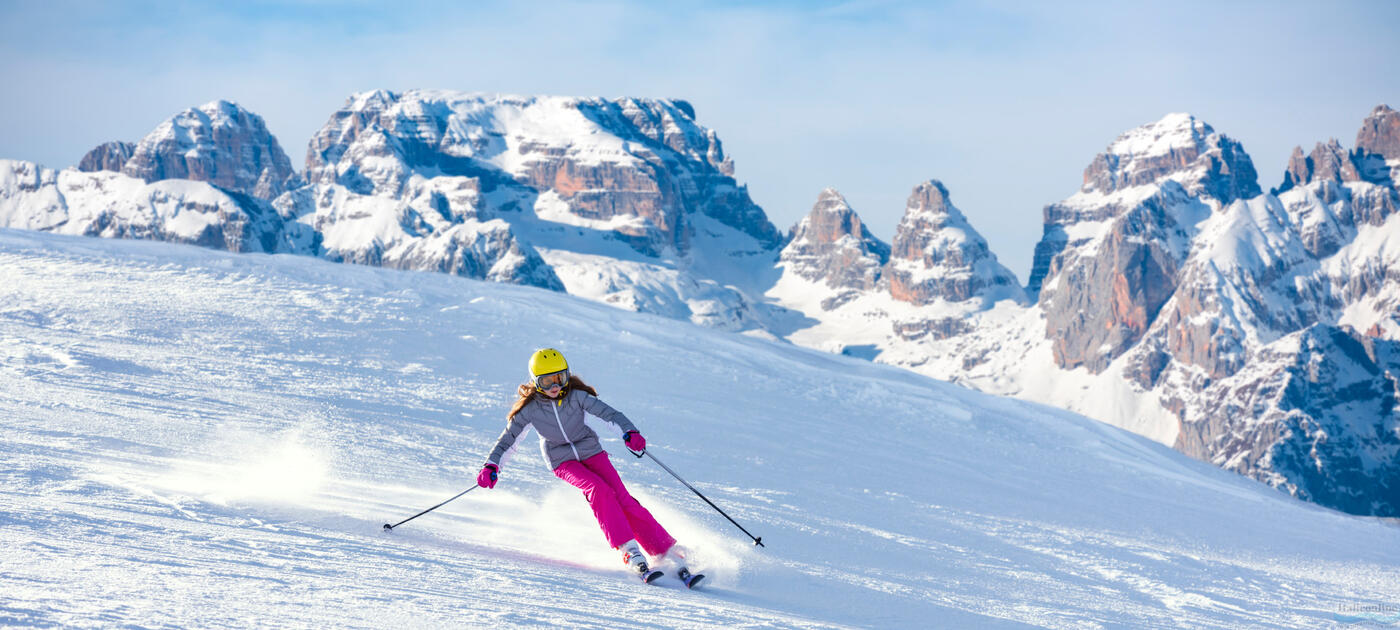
{"x": 545, "y": 363}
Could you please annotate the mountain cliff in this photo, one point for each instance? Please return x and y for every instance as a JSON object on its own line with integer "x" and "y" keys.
{"x": 220, "y": 143}
{"x": 629, "y": 201}
{"x": 831, "y": 246}
{"x": 626, "y": 201}
{"x": 1172, "y": 297}
{"x": 1235, "y": 318}
{"x": 937, "y": 255}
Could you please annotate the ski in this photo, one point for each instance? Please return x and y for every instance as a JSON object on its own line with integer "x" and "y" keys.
{"x": 690, "y": 579}
{"x": 650, "y": 575}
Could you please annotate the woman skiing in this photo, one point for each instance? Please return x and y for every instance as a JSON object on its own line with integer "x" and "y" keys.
{"x": 554, "y": 403}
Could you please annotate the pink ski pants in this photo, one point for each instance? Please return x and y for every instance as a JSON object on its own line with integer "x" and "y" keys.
{"x": 621, "y": 516}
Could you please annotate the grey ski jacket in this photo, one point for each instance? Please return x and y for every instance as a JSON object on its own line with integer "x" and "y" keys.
{"x": 563, "y": 434}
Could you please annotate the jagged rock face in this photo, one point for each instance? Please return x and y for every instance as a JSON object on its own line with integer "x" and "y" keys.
{"x": 1257, "y": 351}
{"x": 1239, "y": 282}
{"x": 1326, "y": 162}
{"x": 937, "y": 255}
{"x": 1375, "y": 159}
{"x": 1102, "y": 303}
{"x": 108, "y": 156}
{"x": 1110, "y": 256}
{"x": 1377, "y": 155}
{"x": 576, "y": 176}
{"x": 437, "y": 226}
{"x": 933, "y": 329}
{"x": 684, "y": 158}
{"x": 636, "y": 168}
{"x": 1274, "y": 265}
{"x": 1380, "y": 133}
{"x": 832, "y": 246}
{"x": 1316, "y": 415}
{"x": 220, "y": 143}
{"x": 1180, "y": 146}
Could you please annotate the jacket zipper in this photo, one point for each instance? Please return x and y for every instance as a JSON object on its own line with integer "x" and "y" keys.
{"x": 570, "y": 442}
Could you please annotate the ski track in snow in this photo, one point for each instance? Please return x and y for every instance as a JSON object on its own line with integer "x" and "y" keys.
{"x": 202, "y": 439}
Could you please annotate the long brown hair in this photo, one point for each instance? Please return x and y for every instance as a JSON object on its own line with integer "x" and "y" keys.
{"x": 526, "y": 392}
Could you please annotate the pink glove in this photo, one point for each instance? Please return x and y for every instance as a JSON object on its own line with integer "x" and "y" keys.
{"x": 634, "y": 441}
{"x": 487, "y": 477}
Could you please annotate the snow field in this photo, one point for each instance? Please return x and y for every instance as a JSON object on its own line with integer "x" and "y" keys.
{"x": 202, "y": 439}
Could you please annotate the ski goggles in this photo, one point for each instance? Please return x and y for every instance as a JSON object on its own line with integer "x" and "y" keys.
{"x": 554, "y": 379}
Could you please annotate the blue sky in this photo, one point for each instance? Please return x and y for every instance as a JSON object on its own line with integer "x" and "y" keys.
{"x": 1006, "y": 103}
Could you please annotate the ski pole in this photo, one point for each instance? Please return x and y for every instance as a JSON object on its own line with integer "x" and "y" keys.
{"x": 388, "y": 527}
{"x": 756, "y": 540}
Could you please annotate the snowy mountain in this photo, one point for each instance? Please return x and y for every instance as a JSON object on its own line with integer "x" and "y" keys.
{"x": 194, "y": 438}
{"x": 1110, "y": 255}
{"x": 627, "y": 201}
{"x": 1179, "y": 302}
{"x": 1173, "y": 299}
{"x": 831, "y": 246}
{"x": 220, "y": 143}
{"x": 1165, "y": 291}
{"x": 113, "y": 205}
{"x": 937, "y": 255}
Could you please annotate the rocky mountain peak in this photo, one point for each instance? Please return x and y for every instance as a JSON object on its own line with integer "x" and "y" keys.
{"x": 1179, "y": 147}
{"x": 641, "y": 169}
{"x": 930, "y": 198}
{"x": 1380, "y": 133}
{"x": 1327, "y": 161}
{"x": 830, "y": 220}
{"x": 1109, "y": 258}
{"x": 832, "y": 245}
{"x": 108, "y": 156}
{"x": 936, "y": 254}
{"x": 1377, "y": 154}
{"x": 218, "y": 142}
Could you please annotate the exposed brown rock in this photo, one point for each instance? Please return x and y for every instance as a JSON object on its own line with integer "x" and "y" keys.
{"x": 932, "y": 329}
{"x": 1226, "y": 172}
{"x": 667, "y": 170}
{"x": 108, "y": 156}
{"x": 936, "y": 254}
{"x": 220, "y": 143}
{"x": 1380, "y": 133}
{"x": 832, "y": 245}
{"x": 1327, "y": 162}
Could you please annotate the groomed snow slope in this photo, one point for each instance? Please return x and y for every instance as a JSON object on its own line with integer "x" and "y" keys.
{"x": 194, "y": 438}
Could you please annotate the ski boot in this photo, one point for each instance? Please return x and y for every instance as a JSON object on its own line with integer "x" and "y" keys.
{"x": 632, "y": 556}
{"x": 676, "y": 557}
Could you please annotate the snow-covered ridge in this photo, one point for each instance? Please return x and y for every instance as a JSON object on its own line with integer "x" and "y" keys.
{"x": 630, "y": 184}
{"x": 113, "y": 205}
{"x": 477, "y": 185}
{"x": 1174, "y": 132}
